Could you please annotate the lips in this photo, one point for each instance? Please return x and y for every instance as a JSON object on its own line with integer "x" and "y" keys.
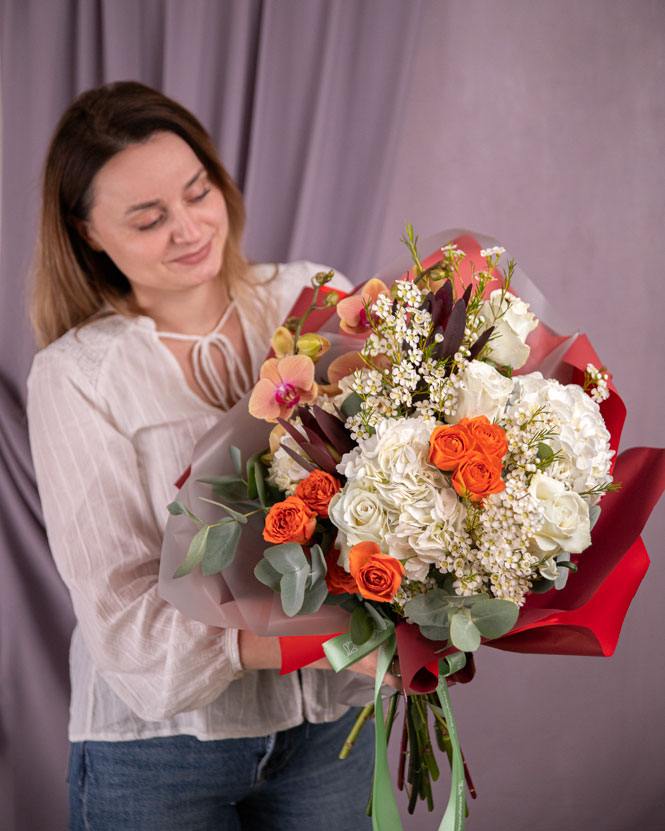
{"x": 196, "y": 256}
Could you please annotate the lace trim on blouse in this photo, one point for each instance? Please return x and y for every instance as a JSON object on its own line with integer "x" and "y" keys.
{"x": 219, "y": 393}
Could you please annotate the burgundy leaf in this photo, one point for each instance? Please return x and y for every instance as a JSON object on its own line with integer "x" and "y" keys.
{"x": 467, "y": 295}
{"x": 302, "y": 461}
{"x": 295, "y": 434}
{"x": 454, "y": 332}
{"x": 321, "y": 456}
{"x": 478, "y": 345}
{"x": 334, "y": 429}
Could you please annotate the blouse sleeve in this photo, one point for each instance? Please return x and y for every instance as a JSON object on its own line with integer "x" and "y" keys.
{"x": 107, "y": 549}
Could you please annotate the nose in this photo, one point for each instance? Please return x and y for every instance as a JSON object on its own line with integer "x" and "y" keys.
{"x": 186, "y": 227}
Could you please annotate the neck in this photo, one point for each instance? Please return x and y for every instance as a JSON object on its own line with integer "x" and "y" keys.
{"x": 192, "y": 312}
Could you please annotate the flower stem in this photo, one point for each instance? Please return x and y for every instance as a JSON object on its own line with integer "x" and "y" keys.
{"x": 347, "y": 747}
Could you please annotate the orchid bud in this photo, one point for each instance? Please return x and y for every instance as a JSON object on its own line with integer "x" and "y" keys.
{"x": 322, "y": 277}
{"x": 312, "y": 345}
{"x": 331, "y": 299}
{"x": 282, "y": 342}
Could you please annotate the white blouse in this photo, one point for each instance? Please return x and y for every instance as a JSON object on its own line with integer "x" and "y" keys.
{"x": 112, "y": 426}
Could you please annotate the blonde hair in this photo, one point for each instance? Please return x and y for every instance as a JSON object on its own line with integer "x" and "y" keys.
{"x": 72, "y": 281}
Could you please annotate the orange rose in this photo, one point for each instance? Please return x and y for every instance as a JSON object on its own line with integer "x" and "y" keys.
{"x": 289, "y": 521}
{"x": 378, "y": 575}
{"x": 478, "y": 476}
{"x": 338, "y": 580}
{"x": 317, "y": 490}
{"x": 449, "y": 445}
{"x": 490, "y": 438}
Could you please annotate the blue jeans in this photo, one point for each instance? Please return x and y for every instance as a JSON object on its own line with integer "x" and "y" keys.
{"x": 287, "y": 781}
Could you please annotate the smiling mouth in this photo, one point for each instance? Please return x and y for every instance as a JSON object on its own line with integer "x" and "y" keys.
{"x": 196, "y": 256}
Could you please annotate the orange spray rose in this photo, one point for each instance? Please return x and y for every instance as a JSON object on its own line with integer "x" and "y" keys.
{"x": 378, "y": 575}
{"x": 289, "y": 521}
{"x": 317, "y": 490}
{"x": 478, "y": 476}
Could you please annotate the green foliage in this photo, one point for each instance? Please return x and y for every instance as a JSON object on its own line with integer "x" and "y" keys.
{"x": 195, "y": 552}
{"x": 267, "y": 574}
{"x": 213, "y": 546}
{"x": 494, "y": 617}
{"x": 236, "y": 459}
{"x": 230, "y": 487}
{"x": 351, "y": 405}
{"x": 179, "y": 507}
{"x": 220, "y": 549}
{"x": 360, "y": 625}
{"x": 463, "y": 632}
{"x": 301, "y": 584}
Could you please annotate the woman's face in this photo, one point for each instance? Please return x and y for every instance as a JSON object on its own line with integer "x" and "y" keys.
{"x": 159, "y": 218}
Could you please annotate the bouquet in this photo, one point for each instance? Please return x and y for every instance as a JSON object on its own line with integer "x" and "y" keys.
{"x": 432, "y": 487}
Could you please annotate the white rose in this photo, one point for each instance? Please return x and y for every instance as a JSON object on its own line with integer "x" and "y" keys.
{"x": 482, "y": 390}
{"x": 360, "y": 516}
{"x": 512, "y": 323}
{"x": 566, "y": 525}
{"x": 285, "y": 472}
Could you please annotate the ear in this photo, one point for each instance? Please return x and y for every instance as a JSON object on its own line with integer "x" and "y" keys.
{"x": 86, "y": 232}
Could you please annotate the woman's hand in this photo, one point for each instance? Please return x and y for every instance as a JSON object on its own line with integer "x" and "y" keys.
{"x": 367, "y": 666}
{"x": 264, "y": 653}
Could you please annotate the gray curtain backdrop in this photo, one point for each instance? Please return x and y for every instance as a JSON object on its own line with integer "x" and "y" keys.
{"x": 538, "y": 123}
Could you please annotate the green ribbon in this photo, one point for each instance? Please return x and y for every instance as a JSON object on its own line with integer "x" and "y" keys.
{"x": 453, "y": 819}
{"x": 342, "y": 652}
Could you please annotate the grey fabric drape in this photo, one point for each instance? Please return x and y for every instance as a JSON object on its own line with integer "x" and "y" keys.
{"x": 303, "y": 98}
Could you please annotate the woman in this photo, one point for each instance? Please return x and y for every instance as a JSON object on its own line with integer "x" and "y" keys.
{"x": 154, "y": 324}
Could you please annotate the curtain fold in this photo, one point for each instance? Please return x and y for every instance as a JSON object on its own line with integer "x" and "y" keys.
{"x": 304, "y": 100}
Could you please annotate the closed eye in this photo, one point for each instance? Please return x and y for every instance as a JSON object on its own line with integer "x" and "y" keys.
{"x": 200, "y": 196}
{"x": 150, "y": 225}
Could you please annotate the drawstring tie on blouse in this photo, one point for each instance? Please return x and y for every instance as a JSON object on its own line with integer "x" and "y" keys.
{"x": 219, "y": 393}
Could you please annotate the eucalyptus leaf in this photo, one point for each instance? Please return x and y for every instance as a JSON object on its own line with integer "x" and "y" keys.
{"x": 267, "y": 575}
{"x": 463, "y": 632}
{"x": 431, "y": 609}
{"x": 287, "y": 557}
{"x": 241, "y": 518}
{"x": 494, "y": 617}
{"x": 236, "y": 458}
{"x": 360, "y": 626}
{"x": 380, "y": 622}
{"x": 292, "y": 588}
{"x": 314, "y": 597}
{"x": 234, "y": 490}
{"x": 195, "y": 552}
{"x": 251, "y": 473}
{"x": 221, "y": 547}
{"x": 351, "y": 405}
{"x": 260, "y": 482}
{"x": 319, "y": 568}
{"x": 435, "y": 633}
{"x": 542, "y": 585}
{"x": 545, "y": 453}
{"x": 179, "y": 507}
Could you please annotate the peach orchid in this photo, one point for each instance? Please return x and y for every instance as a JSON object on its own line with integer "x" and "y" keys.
{"x": 353, "y": 310}
{"x": 283, "y": 383}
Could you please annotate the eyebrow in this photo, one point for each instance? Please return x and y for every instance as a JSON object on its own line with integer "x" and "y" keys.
{"x": 142, "y": 206}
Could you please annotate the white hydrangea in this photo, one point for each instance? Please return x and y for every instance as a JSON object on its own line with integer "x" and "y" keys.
{"x": 583, "y": 441}
{"x": 394, "y": 496}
